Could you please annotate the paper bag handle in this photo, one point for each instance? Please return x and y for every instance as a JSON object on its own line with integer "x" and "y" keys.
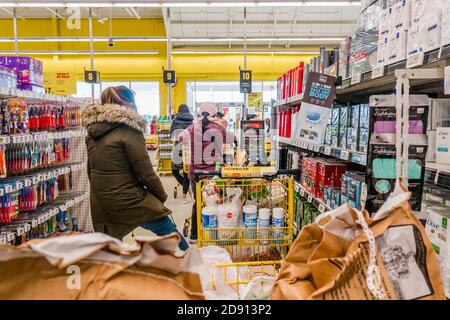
{"x": 373, "y": 279}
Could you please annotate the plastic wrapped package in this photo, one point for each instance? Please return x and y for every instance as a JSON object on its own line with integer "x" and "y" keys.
{"x": 364, "y": 44}
{"x": 259, "y": 288}
{"x": 383, "y": 51}
{"x": 344, "y": 55}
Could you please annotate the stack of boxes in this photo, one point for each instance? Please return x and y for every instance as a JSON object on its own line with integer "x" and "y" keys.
{"x": 348, "y": 127}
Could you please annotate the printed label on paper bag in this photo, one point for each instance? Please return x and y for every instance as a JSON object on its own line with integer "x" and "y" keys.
{"x": 404, "y": 255}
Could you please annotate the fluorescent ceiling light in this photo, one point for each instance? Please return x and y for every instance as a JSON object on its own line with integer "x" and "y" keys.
{"x": 49, "y": 53}
{"x": 181, "y": 4}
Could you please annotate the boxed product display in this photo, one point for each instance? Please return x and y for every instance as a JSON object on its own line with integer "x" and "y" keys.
{"x": 443, "y": 145}
{"x": 438, "y": 231}
{"x": 344, "y": 56}
{"x": 382, "y": 156}
{"x": 29, "y": 70}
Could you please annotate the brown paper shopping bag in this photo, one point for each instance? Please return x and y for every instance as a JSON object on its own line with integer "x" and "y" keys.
{"x": 97, "y": 266}
{"x": 346, "y": 255}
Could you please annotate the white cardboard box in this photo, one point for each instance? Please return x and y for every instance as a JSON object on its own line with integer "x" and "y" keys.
{"x": 439, "y": 234}
{"x": 443, "y": 145}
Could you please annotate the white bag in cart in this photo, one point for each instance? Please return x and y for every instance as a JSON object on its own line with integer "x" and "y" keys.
{"x": 217, "y": 289}
{"x": 229, "y": 213}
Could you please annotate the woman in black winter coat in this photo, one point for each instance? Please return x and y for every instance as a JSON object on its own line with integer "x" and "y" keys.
{"x": 182, "y": 120}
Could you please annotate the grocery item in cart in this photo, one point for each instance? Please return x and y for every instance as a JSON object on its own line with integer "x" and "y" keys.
{"x": 346, "y": 255}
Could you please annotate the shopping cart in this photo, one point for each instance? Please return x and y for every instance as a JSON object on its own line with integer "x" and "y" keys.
{"x": 270, "y": 189}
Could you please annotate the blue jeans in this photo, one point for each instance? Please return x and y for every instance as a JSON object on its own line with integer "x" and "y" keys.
{"x": 164, "y": 227}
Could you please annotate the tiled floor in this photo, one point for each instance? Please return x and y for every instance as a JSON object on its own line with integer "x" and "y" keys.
{"x": 180, "y": 211}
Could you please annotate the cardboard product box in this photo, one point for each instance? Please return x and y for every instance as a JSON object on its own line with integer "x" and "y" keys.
{"x": 438, "y": 231}
{"x": 329, "y": 175}
{"x": 443, "y": 145}
{"x": 353, "y": 130}
{"x": 431, "y": 154}
{"x": 344, "y": 186}
{"x": 335, "y": 198}
{"x": 397, "y": 44}
{"x": 357, "y": 189}
{"x": 343, "y": 126}
{"x": 445, "y": 23}
{"x": 381, "y": 174}
{"x": 29, "y": 70}
{"x": 439, "y": 115}
{"x": 334, "y": 128}
{"x": 327, "y": 196}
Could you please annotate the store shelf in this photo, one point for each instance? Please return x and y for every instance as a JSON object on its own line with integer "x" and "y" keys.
{"x": 41, "y": 136}
{"x": 289, "y": 102}
{"x": 438, "y": 174}
{"x": 367, "y": 84}
{"x": 12, "y": 184}
{"x": 51, "y": 211}
{"x": 338, "y": 153}
{"x": 36, "y": 96}
{"x": 319, "y": 204}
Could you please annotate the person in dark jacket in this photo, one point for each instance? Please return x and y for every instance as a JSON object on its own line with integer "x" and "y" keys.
{"x": 182, "y": 120}
{"x": 125, "y": 191}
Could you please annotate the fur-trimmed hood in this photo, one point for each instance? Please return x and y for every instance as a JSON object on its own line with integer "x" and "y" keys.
{"x": 101, "y": 119}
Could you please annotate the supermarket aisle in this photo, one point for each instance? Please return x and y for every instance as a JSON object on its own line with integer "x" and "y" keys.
{"x": 180, "y": 211}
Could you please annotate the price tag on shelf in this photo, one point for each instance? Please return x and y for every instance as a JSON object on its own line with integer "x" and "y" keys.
{"x": 3, "y": 239}
{"x": 62, "y": 208}
{"x": 321, "y": 208}
{"x": 19, "y": 185}
{"x": 356, "y": 78}
{"x": 2, "y": 192}
{"x": 302, "y": 193}
{"x": 327, "y": 151}
{"x": 378, "y": 72}
{"x": 48, "y": 215}
{"x": 35, "y": 180}
{"x": 296, "y": 187}
{"x": 345, "y": 155}
{"x": 27, "y": 227}
{"x": 310, "y": 198}
{"x": 8, "y": 188}
{"x": 40, "y": 177}
{"x": 41, "y": 220}
{"x": 10, "y": 237}
{"x": 34, "y": 223}
{"x": 415, "y": 60}
{"x": 27, "y": 182}
{"x": 20, "y": 231}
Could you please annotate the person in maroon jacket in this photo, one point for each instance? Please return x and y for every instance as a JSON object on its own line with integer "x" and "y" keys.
{"x": 205, "y": 138}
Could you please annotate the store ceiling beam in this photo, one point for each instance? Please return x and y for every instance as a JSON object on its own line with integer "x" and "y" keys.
{"x": 135, "y": 13}
{"x": 11, "y": 13}
{"x": 55, "y": 13}
{"x": 267, "y": 22}
{"x": 85, "y": 52}
{"x": 180, "y": 4}
{"x": 166, "y": 21}
{"x": 294, "y": 23}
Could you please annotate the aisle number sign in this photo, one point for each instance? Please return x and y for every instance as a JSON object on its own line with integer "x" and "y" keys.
{"x": 91, "y": 76}
{"x": 169, "y": 77}
{"x": 245, "y": 81}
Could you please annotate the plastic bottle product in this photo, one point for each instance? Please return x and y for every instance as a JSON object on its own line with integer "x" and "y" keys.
{"x": 209, "y": 221}
{"x": 250, "y": 213}
{"x": 264, "y": 225}
{"x": 277, "y": 224}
